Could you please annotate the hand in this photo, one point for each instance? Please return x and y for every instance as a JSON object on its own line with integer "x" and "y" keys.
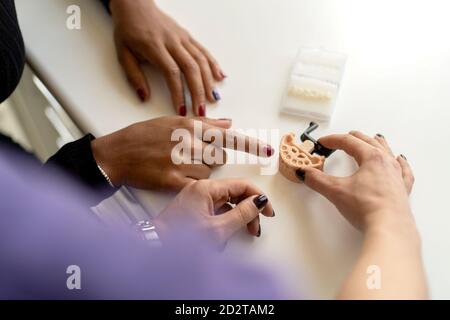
{"x": 205, "y": 206}
{"x": 142, "y": 155}
{"x": 377, "y": 194}
{"x": 143, "y": 33}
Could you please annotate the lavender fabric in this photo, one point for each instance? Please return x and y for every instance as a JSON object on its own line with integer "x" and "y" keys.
{"x": 46, "y": 226}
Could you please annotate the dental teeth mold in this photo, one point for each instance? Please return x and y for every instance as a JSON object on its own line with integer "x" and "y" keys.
{"x": 314, "y": 84}
{"x": 295, "y": 156}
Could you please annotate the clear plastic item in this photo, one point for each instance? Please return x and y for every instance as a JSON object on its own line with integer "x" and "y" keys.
{"x": 314, "y": 84}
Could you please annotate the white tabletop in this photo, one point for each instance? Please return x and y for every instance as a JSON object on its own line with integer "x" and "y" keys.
{"x": 396, "y": 82}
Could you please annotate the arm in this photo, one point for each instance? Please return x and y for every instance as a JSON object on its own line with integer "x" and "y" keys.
{"x": 395, "y": 249}
{"x": 140, "y": 155}
{"x": 76, "y": 160}
{"x": 375, "y": 200}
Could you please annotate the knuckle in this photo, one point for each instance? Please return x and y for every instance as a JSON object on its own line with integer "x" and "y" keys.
{"x": 188, "y": 123}
{"x": 173, "y": 71}
{"x": 201, "y": 59}
{"x": 377, "y": 155}
{"x": 397, "y": 165}
{"x": 191, "y": 67}
{"x": 245, "y": 212}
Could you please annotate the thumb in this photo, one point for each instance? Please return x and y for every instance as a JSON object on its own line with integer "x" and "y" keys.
{"x": 245, "y": 212}
{"x": 318, "y": 181}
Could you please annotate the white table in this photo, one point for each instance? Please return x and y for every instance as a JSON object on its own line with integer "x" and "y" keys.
{"x": 397, "y": 83}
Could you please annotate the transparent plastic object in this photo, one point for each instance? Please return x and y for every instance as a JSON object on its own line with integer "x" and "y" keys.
{"x": 314, "y": 84}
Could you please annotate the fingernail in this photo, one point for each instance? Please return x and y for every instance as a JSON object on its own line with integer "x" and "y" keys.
{"x": 403, "y": 156}
{"x": 216, "y": 95}
{"x": 141, "y": 94}
{"x": 268, "y": 151}
{"x": 223, "y": 74}
{"x": 183, "y": 111}
{"x": 300, "y": 174}
{"x": 273, "y": 213}
{"x": 379, "y": 135}
{"x": 259, "y": 231}
{"x": 260, "y": 201}
{"x": 202, "y": 110}
{"x": 225, "y": 119}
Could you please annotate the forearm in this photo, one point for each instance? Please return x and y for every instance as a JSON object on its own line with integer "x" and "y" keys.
{"x": 77, "y": 161}
{"x": 390, "y": 264}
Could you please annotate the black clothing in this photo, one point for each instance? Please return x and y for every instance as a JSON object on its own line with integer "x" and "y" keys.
{"x": 76, "y": 158}
{"x": 12, "y": 49}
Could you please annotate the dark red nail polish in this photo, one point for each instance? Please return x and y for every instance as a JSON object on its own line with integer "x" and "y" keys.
{"x": 268, "y": 151}
{"x": 202, "y": 110}
{"x": 141, "y": 94}
{"x": 183, "y": 111}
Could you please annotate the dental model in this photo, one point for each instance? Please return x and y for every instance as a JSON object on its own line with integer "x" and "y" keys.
{"x": 314, "y": 84}
{"x": 294, "y": 156}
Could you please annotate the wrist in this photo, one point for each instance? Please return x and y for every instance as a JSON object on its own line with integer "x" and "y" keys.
{"x": 392, "y": 222}
{"x": 100, "y": 151}
{"x": 115, "y": 5}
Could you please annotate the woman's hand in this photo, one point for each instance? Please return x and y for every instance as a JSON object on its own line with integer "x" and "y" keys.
{"x": 206, "y": 206}
{"x": 377, "y": 193}
{"x": 144, "y": 155}
{"x": 143, "y": 33}
{"x": 375, "y": 200}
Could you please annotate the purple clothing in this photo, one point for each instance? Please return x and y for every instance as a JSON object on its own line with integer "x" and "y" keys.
{"x": 46, "y": 226}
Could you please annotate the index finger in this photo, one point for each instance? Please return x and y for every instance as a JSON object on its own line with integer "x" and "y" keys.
{"x": 234, "y": 191}
{"x": 235, "y": 140}
{"x": 351, "y": 145}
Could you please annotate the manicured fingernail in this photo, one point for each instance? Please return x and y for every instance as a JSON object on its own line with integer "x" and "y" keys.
{"x": 260, "y": 201}
{"x": 300, "y": 174}
{"x": 141, "y": 94}
{"x": 223, "y": 74}
{"x": 268, "y": 151}
{"x": 403, "y": 156}
{"x": 225, "y": 119}
{"x": 379, "y": 135}
{"x": 183, "y": 111}
{"x": 202, "y": 110}
{"x": 259, "y": 231}
{"x": 216, "y": 95}
{"x": 273, "y": 213}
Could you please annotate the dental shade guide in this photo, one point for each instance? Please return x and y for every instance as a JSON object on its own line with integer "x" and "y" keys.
{"x": 310, "y": 153}
{"x": 314, "y": 84}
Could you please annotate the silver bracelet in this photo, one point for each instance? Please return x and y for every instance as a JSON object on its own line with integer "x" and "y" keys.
{"x": 106, "y": 176}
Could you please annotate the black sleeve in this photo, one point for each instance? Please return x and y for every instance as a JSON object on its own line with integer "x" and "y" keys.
{"x": 76, "y": 159}
{"x": 106, "y": 4}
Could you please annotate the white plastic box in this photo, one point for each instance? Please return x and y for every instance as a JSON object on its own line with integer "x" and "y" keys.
{"x": 314, "y": 84}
